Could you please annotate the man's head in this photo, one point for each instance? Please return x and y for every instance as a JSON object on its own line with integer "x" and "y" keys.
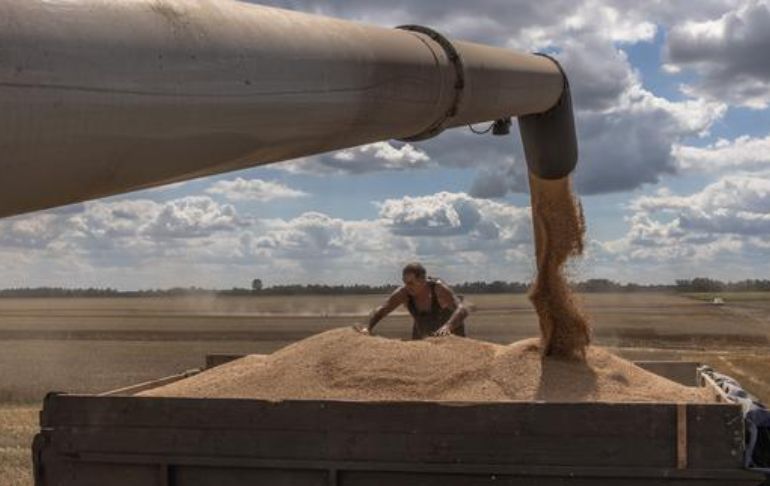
{"x": 413, "y": 274}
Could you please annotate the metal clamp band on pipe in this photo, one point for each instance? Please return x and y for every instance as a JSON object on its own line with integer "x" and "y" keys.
{"x": 549, "y": 138}
{"x": 454, "y": 57}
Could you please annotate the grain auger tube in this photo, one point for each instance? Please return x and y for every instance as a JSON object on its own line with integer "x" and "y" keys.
{"x": 100, "y": 98}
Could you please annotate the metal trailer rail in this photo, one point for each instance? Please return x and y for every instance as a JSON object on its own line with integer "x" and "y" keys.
{"x": 124, "y": 440}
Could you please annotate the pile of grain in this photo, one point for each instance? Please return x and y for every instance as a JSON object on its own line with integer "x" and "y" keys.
{"x": 559, "y": 231}
{"x": 345, "y": 365}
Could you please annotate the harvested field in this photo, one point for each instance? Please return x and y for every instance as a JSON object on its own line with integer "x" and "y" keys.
{"x": 17, "y": 425}
{"x": 93, "y": 345}
{"x": 344, "y": 365}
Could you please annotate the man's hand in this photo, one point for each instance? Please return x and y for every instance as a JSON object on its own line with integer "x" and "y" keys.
{"x": 363, "y": 329}
{"x": 443, "y": 331}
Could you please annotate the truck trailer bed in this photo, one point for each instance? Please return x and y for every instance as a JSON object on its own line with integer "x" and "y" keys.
{"x": 124, "y": 440}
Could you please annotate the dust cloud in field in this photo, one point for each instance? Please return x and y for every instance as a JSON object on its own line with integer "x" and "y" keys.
{"x": 559, "y": 229}
{"x": 264, "y": 305}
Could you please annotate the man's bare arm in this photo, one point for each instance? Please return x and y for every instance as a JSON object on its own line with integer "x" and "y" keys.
{"x": 447, "y": 298}
{"x": 396, "y": 299}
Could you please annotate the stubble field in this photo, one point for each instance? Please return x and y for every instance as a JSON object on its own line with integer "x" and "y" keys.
{"x": 93, "y": 345}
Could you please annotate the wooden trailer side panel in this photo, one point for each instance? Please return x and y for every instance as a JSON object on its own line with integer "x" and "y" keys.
{"x": 584, "y": 434}
{"x": 197, "y": 442}
{"x": 438, "y": 479}
{"x": 164, "y": 471}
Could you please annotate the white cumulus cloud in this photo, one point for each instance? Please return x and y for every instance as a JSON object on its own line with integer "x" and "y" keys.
{"x": 717, "y": 231}
{"x": 240, "y": 189}
{"x": 453, "y": 214}
{"x": 379, "y": 156}
{"x": 738, "y": 205}
{"x": 729, "y": 52}
{"x": 196, "y": 240}
{"x": 743, "y": 153}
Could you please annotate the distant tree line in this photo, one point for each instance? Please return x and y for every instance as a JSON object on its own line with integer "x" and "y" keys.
{"x": 313, "y": 289}
{"x": 97, "y": 292}
{"x": 700, "y": 284}
{"x": 596, "y": 285}
{"x": 710, "y": 285}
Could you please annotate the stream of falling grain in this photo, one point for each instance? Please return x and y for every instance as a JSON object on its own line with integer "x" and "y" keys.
{"x": 559, "y": 229}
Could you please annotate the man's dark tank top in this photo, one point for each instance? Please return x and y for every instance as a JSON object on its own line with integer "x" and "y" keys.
{"x": 428, "y": 322}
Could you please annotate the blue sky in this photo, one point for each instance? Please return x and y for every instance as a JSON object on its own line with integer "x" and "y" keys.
{"x": 672, "y": 110}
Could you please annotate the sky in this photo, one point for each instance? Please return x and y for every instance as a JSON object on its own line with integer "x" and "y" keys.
{"x": 673, "y": 118}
